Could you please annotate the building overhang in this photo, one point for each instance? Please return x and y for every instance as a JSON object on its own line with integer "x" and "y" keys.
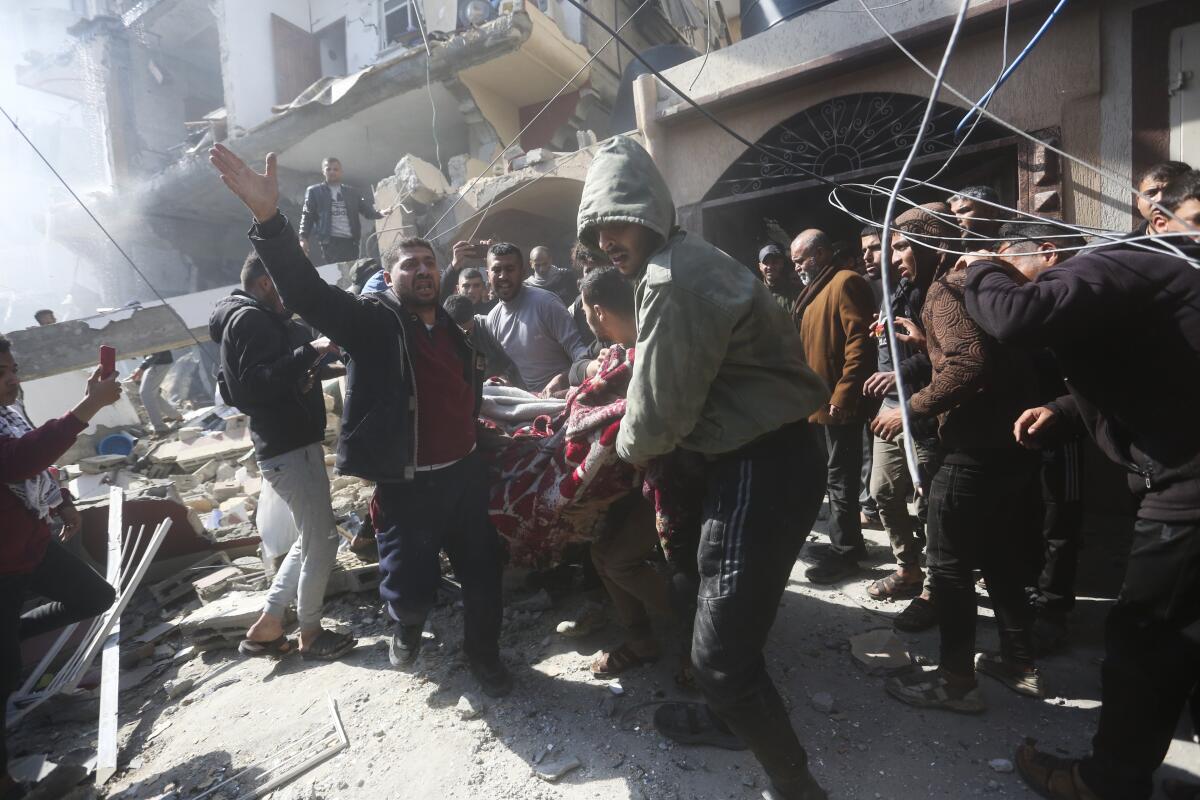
{"x": 866, "y": 47}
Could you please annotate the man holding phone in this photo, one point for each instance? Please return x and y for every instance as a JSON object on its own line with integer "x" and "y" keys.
{"x": 270, "y": 370}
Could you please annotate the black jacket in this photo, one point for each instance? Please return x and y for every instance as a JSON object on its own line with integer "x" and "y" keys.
{"x": 1124, "y": 324}
{"x": 316, "y": 216}
{"x": 379, "y": 419}
{"x": 266, "y": 364}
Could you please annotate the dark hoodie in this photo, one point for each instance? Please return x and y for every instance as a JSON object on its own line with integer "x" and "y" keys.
{"x": 266, "y": 363}
{"x": 1124, "y": 324}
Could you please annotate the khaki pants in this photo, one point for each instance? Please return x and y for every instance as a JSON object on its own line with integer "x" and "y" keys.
{"x": 621, "y": 558}
{"x": 891, "y": 486}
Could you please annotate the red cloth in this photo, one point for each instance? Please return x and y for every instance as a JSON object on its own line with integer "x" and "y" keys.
{"x": 23, "y": 537}
{"x": 558, "y": 477}
{"x": 445, "y": 399}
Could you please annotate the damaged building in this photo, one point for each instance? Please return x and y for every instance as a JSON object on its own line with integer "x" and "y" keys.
{"x": 417, "y": 99}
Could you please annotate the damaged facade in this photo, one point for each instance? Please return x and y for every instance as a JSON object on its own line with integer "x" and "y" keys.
{"x": 446, "y": 83}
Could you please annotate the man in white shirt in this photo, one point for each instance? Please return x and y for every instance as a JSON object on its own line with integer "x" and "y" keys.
{"x": 331, "y": 216}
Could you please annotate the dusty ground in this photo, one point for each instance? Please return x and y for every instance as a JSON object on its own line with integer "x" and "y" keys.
{"x": 408, "y": 739}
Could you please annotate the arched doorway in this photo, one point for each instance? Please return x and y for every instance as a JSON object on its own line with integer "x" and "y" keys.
{"x": 857, "y": 138}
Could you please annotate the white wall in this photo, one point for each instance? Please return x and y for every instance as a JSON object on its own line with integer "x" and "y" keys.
{"x": 363, "y": 37}
{"x": 248, "y": 61}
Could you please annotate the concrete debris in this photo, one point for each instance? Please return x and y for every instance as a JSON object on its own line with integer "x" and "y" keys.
{"x": 470, "y": 706}
{"x": 823, "y": 702}
{"x": 552, "y": 771}
{"x": 215, "y": 584}
{"x": 879, "y": 651}
{"x": 1001, "y": 765}
{"x": 180, "y": 584}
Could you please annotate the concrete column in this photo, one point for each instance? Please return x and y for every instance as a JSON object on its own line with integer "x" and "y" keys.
{"x": 645, "y": 104}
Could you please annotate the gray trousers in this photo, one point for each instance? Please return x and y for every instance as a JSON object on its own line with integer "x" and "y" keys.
{"x": 153, "y": 401}
{"x": 299, "y": 477}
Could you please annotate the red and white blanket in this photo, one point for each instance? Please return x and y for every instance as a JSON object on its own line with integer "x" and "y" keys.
{"x": 558, "y": 476}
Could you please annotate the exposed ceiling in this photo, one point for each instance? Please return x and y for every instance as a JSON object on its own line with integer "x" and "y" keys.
{"x": 370, "y": 142}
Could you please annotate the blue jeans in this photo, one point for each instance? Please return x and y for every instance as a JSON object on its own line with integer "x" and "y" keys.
{"x": 414, "y": 521}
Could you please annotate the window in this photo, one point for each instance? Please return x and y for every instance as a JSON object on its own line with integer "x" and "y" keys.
{"x": 400, "y": 24}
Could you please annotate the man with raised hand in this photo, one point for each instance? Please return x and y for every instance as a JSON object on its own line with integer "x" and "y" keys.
{"x": 409, "y": 424}
{"x": 720, "y": 372}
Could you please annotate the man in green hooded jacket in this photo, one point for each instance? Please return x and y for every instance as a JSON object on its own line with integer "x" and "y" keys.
{"x": 719, "y": 372}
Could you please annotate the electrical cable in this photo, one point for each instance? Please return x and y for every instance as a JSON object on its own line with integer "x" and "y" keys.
{"x": 183, "y": 323}
{"x": 886, "y": 254}
{"x": 651, "y": 69}
{"x": 1037, "y": 37}
{"x": 613, "y": 36}
{"x": 1023, "y": 134}
{"x": 1111, "y": 236}
{"x": 437, "y": 147}
{"x": 978, "y": 117}
{"x": 707, "y": 45}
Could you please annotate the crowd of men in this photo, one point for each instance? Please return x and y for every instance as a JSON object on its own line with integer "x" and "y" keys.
{"x": 769, "y": 390}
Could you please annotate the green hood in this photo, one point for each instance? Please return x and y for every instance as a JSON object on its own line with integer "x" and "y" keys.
{"x": 623, "y": 185}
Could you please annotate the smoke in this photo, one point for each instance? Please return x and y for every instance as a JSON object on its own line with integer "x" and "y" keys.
{"x": 35, "y": 271}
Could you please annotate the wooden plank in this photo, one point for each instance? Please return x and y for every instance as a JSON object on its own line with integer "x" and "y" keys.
{"x": 110, "y": 665}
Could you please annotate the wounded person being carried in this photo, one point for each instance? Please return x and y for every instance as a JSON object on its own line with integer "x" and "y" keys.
{"x": 556, "y": 478}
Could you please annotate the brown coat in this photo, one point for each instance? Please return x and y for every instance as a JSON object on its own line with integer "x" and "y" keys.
{"x": 836, "y": 334}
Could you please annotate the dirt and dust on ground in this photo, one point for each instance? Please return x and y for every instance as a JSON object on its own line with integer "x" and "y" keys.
{"x": 211, "y": 724}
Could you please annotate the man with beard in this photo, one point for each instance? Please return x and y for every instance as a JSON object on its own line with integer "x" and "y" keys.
{"x": 531, "y": 324}
{"x": 719, "y": 372}
{"x": 834, "y": 315}
{"x": 779, "y": 275}
{"x": 472, "y": 286}
{"x": 409, "y": 424}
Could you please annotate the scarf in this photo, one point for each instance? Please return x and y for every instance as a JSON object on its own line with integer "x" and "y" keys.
{"x": 40, "y": 493}
{"x": 814, "y": 288}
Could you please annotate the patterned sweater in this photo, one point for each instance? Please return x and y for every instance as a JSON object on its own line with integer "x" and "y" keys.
{"x": 979, "y": 387}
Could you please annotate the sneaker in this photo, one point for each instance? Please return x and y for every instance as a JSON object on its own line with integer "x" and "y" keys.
{"x": 494, "y": 678}
{"x": 406, "y": 645}
{"x": 932, "y": 690}
{"x": 1021, "y": 679}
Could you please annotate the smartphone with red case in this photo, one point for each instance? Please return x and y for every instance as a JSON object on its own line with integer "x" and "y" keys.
{"x": 108, "y": 360}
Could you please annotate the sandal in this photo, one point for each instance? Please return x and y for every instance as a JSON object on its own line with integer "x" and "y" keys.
{"x": 893, "y": 588}
{"x": 329, "y": 646}
{"x": 687, "y": 724}
{"x": 614, "y": 662}
{"x": 1052, "y": 777}
{"x": 276, "y": 648}
{"x": 933, "y": 690}
{"x": 919, "y": 615}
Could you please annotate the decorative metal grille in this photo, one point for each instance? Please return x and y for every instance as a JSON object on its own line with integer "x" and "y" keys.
{"x": 844, "y": 135}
